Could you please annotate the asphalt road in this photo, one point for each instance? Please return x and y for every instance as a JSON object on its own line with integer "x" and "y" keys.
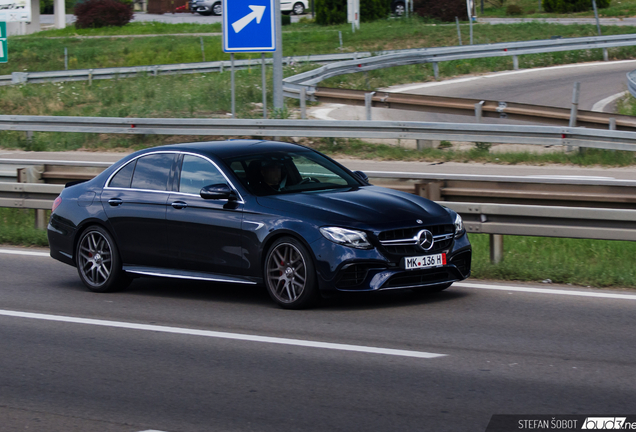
{"x": 503, "y": 351}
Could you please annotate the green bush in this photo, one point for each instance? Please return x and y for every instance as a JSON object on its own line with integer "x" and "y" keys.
{"x": 285, "y": 19}
{"x": 330, "y": 12}
{"x": 445, "y": 10}
{"x": 568, "y": 6}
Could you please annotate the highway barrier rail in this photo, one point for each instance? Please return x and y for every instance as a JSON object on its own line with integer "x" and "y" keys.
{"x": 506, "y": 134}
{"x": 602, "y": 209}
{"x": 306, "y": 82}
{"x": 475, "y": 107}
{"x": 486, "y": 218}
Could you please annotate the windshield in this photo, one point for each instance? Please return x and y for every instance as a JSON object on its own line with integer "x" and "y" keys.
{"x": 287, "y": 172}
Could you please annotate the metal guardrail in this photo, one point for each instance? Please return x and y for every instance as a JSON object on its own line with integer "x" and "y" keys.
{"x": 169, "y": 69}
{"x": 487, "y": 218}
{"x": 507, "y": 134}
{"x": 475, "y": 107}
{"x": 307, "y": 81}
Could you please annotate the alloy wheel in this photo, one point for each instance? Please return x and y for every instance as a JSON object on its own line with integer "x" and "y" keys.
{"x": 286, "y": 273}
{"x": 95, "y": 258}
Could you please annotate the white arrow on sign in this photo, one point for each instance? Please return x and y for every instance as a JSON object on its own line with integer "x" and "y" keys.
{"x": 257, "y": 12}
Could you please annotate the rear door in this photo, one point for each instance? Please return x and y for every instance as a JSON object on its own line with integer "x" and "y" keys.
{"x": 135, "y": 202}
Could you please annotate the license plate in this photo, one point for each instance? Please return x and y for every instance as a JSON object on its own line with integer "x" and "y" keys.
{"x": 426, "y": 261}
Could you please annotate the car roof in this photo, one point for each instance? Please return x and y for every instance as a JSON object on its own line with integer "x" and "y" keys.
{"x": 231, "y": 148}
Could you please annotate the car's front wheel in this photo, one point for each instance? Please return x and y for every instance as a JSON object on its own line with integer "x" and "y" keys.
{"x": 290, "y": 275}
{"x": 98, "y": 262}
{"x": 217, "y": 8}
{"x": 299, "y": 9}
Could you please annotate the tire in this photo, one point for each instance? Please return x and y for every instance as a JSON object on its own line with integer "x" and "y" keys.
{"x": 98, "y": 262}
{"x": 290, "y": 275}
{"x": 299, "y": 9}
{"x": 217, "y": 9}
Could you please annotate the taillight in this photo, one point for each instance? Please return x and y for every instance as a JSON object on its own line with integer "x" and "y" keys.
{"x": 56, "y": 203}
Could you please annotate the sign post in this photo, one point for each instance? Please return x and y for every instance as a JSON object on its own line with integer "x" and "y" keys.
{"x": 248, "y": 26}
{"x": 4, "y": 53}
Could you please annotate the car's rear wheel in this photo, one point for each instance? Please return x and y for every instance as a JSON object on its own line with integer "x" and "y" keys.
{"x": 290, "y": 275}
{"x": 98, "y": 262}
{"x": 299, "y": 9}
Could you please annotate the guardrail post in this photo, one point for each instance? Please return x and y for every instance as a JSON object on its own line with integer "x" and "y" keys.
{"x": 612, "y": 123}
{"x": 605, "y": 55}
{"x": 515, "y": 62}
{"x": 430, "y": 190}
{"x": 436, "y": 70}
{"x": 575, "y": 108}
{"x": 40, "y": 219}
{"x": 303, "y": 103}
{"x": 496, "y": 248}
{"x": 478, "y": 110}
{"x": 368, "y": 102}
{"x": 90, "y": 77}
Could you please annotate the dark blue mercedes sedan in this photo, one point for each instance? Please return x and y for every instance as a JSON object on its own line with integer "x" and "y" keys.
{"x": 254, "y": 212}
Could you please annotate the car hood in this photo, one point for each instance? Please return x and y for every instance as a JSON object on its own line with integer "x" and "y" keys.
{"x": 369, "y": 205}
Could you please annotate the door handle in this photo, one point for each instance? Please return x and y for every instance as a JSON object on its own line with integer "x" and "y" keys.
{"x": 179, "y": 205}
{"x": 115, "y": 202}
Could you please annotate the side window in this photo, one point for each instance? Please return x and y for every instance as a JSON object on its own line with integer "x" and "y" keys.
{"x": 196, "y": 173}
{"x": 123, "y": 177}
{"x": 153, "y": 172}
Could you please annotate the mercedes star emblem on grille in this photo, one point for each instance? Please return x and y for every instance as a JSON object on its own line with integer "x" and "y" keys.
{"x": 425, "y": 239}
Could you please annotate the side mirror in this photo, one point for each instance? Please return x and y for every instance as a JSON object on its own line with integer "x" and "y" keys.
{"x": 362, "y": 176}
{"x": 218, "y": 192}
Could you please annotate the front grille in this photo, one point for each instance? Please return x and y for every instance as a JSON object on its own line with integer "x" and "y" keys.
{"x": 408, "y": 246}
{"x": 418, "y": 278}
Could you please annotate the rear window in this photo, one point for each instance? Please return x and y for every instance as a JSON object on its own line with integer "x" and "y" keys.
{"x": 152, "y": 172}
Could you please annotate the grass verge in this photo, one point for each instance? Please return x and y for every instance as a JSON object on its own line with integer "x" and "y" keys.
{"x": 596, "y": 263}
{"x": 17, "y": 227}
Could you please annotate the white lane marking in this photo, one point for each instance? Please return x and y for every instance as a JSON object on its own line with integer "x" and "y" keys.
{"x": 222, "y": 335}
{"x": 600, "y": 105}
{"x": 410, "y": 87}
{"x": 24, "y": 252}
{"x": 545, "y": 291}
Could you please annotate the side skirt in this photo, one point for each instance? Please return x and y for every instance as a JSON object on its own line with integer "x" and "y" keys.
{"x": 185, "y": 274}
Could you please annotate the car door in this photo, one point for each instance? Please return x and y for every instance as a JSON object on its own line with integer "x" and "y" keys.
{"x": 135, "y": 202}
{"x": 204, "y": 234}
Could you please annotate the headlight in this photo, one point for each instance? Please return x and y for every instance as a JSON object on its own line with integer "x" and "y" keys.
{"x": 346, "y": 237}
{"x": 459, "y": 226}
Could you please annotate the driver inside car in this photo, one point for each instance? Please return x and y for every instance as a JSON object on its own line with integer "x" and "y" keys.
{"x": 272, "y": 172}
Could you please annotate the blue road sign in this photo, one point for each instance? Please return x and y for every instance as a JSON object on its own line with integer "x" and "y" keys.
{"x": 249, "y": 26}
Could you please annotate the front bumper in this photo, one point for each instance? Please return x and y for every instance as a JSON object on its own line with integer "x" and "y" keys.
{"x": 346, "y": 269}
